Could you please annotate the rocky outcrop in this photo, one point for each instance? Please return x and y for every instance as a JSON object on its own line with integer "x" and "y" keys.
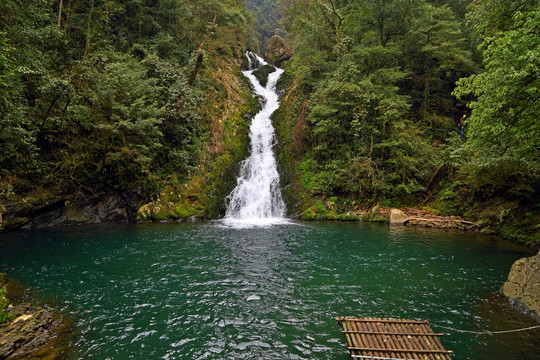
{"x": 278, "y": 51}
{"x": 397, "y": 217}
{"x": 262, "y": 74}
{"x": 34, "y": 334}
{"x": 68, "y": 210}
{"x": 523, "y": 283}
{"x": 29, "y": 332}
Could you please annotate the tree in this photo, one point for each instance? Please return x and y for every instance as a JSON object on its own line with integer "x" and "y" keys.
{"x": 505, "y": 119}
{"x": 435, "y": 51}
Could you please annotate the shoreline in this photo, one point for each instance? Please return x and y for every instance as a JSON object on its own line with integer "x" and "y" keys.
{"x": 32, "y": 330}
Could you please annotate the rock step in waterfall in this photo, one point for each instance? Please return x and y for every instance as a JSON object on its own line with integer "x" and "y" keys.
{"x": 257, "y": 195}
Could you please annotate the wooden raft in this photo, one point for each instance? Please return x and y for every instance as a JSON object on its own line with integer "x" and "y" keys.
{"x": 392, "y": 339}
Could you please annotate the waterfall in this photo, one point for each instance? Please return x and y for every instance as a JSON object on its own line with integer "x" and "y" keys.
{"x": 257, "y": 195}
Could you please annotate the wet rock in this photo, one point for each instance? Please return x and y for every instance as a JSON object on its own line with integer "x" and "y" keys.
{"x": 254, "y": 61}
{"x": 2, "y": 212}
{"x": 32, "y": 332}
{"x": 523, "y": 283}
{"x": 33, "y": 336}
{"x": 70, "y": 210}
{"x": 278, "y": 51}
{"x": 263, "y": 72}
{"x": 482, "y": 223}
{"x": 398, "y": 217}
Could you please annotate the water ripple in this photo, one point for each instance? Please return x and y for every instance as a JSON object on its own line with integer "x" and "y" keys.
{"x": 208, "y": 291}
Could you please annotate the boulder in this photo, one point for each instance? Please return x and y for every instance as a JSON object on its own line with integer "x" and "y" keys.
{"x": 523, "y": 283}
{"x": 29, "y": 332}
{"x": 37, "y": 335}
{"x": 397, "y": 217}
{"x": 278, "y": 51}
{"x": 262, "y": 74}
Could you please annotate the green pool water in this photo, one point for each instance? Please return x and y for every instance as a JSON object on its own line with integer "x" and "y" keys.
{"x": 207, "y": 291}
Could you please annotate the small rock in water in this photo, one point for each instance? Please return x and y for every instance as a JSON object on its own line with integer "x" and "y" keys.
{"x": 253, "y": 298}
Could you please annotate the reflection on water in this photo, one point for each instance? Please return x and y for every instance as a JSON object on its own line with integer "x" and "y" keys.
{"x": 209, "y": 291}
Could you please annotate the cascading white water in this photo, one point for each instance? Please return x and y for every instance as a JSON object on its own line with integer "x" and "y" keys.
{"x": 257, "y": 195}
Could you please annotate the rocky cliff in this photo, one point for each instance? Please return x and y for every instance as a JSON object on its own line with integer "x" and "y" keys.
{"x": 51, "y": 210}
{"x": 278, "y": 51}
{"x": 523, "y": 283}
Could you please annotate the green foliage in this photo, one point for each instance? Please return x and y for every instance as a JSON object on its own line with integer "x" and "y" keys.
{"x": 386, "y": 203}
{"x": 268, "y": 15}
{"x": 503, "y": 129}
{"x": 439, "y": 57}
{"x": 370, "y": 105}
{"x": 504, "y": 122}
{"x": 4, "y": 303}
{"x": 93, "y": 93}
{"x": 376, "y": 74}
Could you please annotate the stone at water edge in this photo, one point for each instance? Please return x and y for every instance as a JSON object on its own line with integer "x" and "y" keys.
{"x": 524, "y": 282}
{"x": 397, "y": 217}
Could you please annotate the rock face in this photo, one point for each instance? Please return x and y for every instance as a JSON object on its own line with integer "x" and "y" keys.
{"x": 30, "y": 332}
{"x": 69, "y": 210}
{"x": 278, "y": 51}
{"x": 262, "y": 74}
{"x": 398, "y": 217}
{"x": 36, "y": 335}
{"x": 523, "y": 283}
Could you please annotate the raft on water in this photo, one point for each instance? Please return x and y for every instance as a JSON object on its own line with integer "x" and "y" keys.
{"x": 392, "y": 339}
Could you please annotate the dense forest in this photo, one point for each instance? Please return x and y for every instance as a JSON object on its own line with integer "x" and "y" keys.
{"x": 422, "y": 103}
{"x": 125, "y": 96}
{"x": 378, "y": 90}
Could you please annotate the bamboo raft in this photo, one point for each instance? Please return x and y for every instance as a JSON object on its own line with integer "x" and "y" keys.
{"x": 392, "y": 339}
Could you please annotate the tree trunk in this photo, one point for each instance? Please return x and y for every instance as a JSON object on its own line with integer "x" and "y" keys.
{"x": 383, "y": 135}
{"x": 68, "y": 18}
{"x": 200, "y": 54}
{"x": 88, "y": 29}
{"x": 195, "y": 69}
{"x": 426, "y": 84}
{"x": 60, "y": 13}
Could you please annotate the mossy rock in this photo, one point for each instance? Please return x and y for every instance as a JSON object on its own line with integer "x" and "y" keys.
{"x": 375, "y": 219}
{"x": 16, "y": 223}
{"x": 4, "y": 303}
{"x": 262, "y": 74}
{"x": 347, "y": 217}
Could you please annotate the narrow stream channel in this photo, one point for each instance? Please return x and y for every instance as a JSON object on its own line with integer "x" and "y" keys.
{"x": 209, "y": 291}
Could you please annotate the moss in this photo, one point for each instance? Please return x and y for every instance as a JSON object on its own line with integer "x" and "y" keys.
{"x": 4, "y": 303}
{"x": 201, "y": 194}
{"x": 162, "y": 214}
{"x": 375, "y": 219}
{"x": 433, "y": 211}
{"x": 262, "y": 74}
{"x": 347, "y": 217}
{"x": 185, "y": 212}
{"x": 386, "y": 203}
